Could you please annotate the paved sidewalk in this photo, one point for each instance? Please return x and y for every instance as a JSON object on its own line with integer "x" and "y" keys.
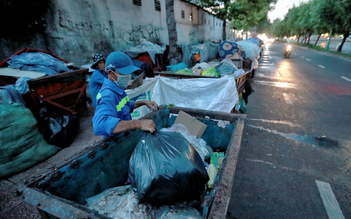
{"x": 12, "y": 207}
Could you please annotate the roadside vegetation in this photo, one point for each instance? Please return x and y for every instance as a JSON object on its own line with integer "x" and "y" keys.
{"x": 315, "y": 17}
{"x": 322, "y": 49}
{"x": 243, "y": 14}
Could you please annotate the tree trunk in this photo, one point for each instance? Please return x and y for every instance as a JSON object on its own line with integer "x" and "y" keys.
{"x": 303, "y": 37}
{"x": 298, "y": 39}
{"x": 172, "y": 33}
{"x": 309, "y": 37}
{"x": 224, "y": 29}
{"x": 317, "y": 39}
{"x": 346, "y": 34}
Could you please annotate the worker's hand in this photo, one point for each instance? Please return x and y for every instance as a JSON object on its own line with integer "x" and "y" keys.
{"x": 151, "y": 104}
{"x": 147, "y": 125}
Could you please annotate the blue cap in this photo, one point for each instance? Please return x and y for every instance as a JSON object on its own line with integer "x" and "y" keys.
{"x": 121, "y": 63}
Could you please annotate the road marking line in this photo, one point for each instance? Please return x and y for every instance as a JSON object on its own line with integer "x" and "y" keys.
{"x": 287, "y": 98}
{"x": 329, "y": 200}
{"x": 345, "y": 78}
{"x": 308, "y": 60}
{"x": 321, "y": 66}
{"x": 302, "y": 57}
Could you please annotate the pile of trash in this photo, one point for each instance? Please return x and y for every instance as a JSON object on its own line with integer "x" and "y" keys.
{"x": 206, "y": 51}
{"x": 204, "y": 150}
{"x": 228, "y": 49}
{"x": 214, "y": 68}
{"x": 168, "y": 178}
{"x": 122, "y": 202}
{"x": 23, "y": 145}
{"x": 37, "y": 61}
{"x": 252, "y": 51}
{"x": 145, "y": 46}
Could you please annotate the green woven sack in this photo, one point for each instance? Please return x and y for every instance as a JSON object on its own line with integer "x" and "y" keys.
{"x": 21, "y": 144}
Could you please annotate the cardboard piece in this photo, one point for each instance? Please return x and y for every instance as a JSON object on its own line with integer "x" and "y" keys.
{"x": 194, "y": 126}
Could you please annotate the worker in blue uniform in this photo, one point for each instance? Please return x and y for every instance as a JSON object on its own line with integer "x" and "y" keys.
{"x": 98, "y": 77}
{"x": 113, "y": 109}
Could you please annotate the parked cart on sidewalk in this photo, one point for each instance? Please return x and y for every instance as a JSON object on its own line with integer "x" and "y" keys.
{"x": 240, "y": 80}
{"x": 66, "y": 91}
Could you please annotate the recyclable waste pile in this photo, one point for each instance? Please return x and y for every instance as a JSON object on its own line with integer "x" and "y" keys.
{"x": 211, "y": 69}
{"x": 164, "y": 169}
{"x": 38, "y": 61}
{"x": 146, "y": 46}
{"x": 122, "y": 203}
{"x": 200, "y": 69}
{"x": 204, "y": 150}
{"x": 23, "y": 145}
{"x": 145, "y": 197}
{"x": 252, "y": 51}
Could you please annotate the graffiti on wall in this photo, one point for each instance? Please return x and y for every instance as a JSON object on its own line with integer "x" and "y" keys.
{"x": 148, "y": 32}
{"x": 87, "y": 26}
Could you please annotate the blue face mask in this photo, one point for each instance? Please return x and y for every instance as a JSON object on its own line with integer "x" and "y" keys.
{"x": 123, "y": 80}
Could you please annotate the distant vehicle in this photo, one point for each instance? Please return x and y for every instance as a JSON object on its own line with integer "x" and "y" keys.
{"x": 287, "y": 51}
{"x": 270, "y": 40}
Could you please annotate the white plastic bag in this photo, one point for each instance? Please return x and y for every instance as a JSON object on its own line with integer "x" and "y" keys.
{"x": 199, "y": 68}
{"x": 121, "y": 203}
{"x": 226, "y": 67}
{"x": 239, "y": 72}
{"x": 198, "y": 143}
{"x": 118, "y": 202}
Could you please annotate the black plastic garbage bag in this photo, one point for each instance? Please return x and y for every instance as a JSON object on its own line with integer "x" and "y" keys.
{"x": 165, "y": 168}
{"x": 57, "y": 128}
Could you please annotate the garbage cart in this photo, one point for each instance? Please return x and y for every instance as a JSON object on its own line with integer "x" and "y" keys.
{"x": 66, "y": 91}
{"x": 63, "y": 192}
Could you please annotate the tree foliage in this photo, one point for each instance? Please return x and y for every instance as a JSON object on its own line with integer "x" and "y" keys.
{"x": 243, "y": 14}
{"x": 316, "y": 17}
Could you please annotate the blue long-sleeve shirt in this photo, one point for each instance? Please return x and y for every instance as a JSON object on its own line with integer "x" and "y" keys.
{"x": 113, "y": 105}
{"x": 95, "y": 84}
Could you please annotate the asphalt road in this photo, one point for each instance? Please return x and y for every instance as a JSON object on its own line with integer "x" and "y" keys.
{"x": 298, "y": 130}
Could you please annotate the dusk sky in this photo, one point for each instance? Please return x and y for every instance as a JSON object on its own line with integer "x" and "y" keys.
{"x": 281, "y": 8}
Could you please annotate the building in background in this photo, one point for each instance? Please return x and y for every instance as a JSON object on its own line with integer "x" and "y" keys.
{"x": 74, "y": 30}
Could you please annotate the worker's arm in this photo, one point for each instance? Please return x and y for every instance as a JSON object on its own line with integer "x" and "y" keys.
{"x": 151, "y": 104}
{"x": 107, "y": 123}
{"x": 125, "y": 125}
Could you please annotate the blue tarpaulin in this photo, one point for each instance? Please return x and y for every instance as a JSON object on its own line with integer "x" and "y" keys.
{"x": 227, "y": 49}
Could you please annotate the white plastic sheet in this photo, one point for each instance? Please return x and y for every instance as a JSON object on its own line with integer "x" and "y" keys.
{"x": 217, "y": 94}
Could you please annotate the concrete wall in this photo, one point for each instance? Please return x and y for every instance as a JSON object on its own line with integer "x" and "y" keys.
{"x": 81, "y": 28}
{"x": 77, "y": 29}
{"x": 74, "y": 30}
{"x": 203, "y": 27}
